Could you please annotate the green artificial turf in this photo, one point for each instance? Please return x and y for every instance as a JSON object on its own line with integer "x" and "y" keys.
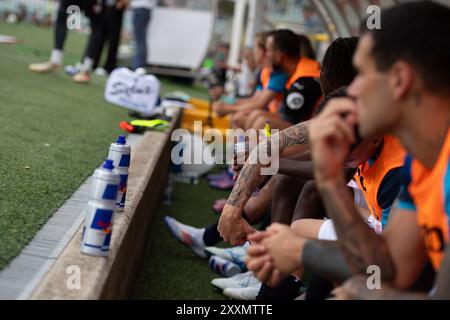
{"x": 54, "y": 133}
{"x": 170, "y": 270}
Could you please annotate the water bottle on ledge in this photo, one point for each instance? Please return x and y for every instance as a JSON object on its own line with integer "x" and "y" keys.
{"x": 99, "y": 212}
{"x": 120, "y": 153}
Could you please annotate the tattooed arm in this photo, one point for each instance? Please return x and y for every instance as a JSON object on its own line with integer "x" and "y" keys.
{"x": 232, "y": 227}
{"x": 399, "y": 252}
{"x": 250, "y": 175}
{"x": 356, "y": 287}
{"x": 361, "y": 246}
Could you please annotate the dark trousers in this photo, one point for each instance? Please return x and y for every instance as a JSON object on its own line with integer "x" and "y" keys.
{"x": 107, "y": 28}
{"x": 141, "y": 19}
{"x": 61, "y": 18}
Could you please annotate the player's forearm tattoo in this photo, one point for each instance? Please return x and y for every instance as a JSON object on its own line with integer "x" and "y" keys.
{"x": 249, "y": 179}
{"x": 250, "y": 175}
{"x": 360, "y": 245}
{"x": 295, "y": 135}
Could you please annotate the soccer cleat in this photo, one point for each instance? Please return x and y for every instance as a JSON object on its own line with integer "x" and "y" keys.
{"x": 187, "y": 235}
{"x": 224, "y": 267}
{"x": 101, "y": 72}
{"x": 234, "y": 254}
{"x": 225, "y": 183}
{"x": 218, "y": 176}
{"x": 218, "y": 205}
{"x": 44, "y": 67}
{"x": 241, "y": 280}
{"x": 82, "y": 77}
{"x": 71, "y": 70}
{"x": 248, "y": 293}
{"x": 140, "y": 71}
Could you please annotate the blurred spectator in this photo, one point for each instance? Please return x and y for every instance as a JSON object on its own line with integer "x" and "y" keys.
{"x": 312, "y": 20}
{"x": 142, "y": 10}
{"x": 108, "y": 28}
{"x": 91, "y": 8}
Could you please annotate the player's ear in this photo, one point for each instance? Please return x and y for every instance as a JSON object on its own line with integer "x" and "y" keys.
{"x": 402, "y": 77}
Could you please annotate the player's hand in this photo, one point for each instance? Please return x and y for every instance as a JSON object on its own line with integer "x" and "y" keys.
{"x": 260, "y": 262}
{"x": 219, "y": 107}
{"x": 331, "y": 135}
{"x": 232, "y": 227}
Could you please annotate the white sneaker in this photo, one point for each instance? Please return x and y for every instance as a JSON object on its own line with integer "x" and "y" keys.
{"x": 187, "y": 235}
{"x": 234, "y": 254}
{"x": 44, "y": 67}
{"x": 72, "y": 70}
{"x": 100, "y": 72}
{"x": 241, "y": 280}
{"x": 140, "y": 71}
{"x": 248, "y": 293}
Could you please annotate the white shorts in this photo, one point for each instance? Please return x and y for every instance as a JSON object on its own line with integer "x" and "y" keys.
{"x": 374, "y": 224}
{"x": 327, "y": 231}
{"x": 358, "y": 195}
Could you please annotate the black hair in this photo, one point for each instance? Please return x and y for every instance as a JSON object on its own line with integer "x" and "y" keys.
{"x": 337, "y": 93}
{"x": 417, "y": 33}
{"x": 306, "y": 48}
{"x": 337, "y": 65}
{"x": 287, "y": 42}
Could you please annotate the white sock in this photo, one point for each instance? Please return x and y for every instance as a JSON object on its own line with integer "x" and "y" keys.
{"x": 195, "y": 233}
{"x": 198, "y": 237}
{"x": 88, "y": 63}
{"x": 57, "y": 57}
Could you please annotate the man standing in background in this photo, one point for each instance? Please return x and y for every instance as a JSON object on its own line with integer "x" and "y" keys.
{"x": 91, "y": 8}
{"x": 142, "y": 10}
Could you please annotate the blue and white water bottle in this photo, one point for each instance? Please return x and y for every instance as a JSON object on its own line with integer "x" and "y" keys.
{"x": 120, "y": 153}
{"x": 99, "y": 212}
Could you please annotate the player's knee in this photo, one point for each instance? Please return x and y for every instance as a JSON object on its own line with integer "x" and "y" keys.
{"x": 303, "y": 228}
{"x": 284, "y": 183}
{"x": 252, "y": 209}
{"x": 310, "y": 189}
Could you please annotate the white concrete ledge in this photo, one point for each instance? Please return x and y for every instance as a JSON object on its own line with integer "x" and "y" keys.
{"x": 114, "y": 276}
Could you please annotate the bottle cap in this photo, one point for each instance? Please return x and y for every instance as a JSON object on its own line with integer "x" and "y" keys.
{"x": 121, "y": 140}
{"x": 108, "y": 164}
